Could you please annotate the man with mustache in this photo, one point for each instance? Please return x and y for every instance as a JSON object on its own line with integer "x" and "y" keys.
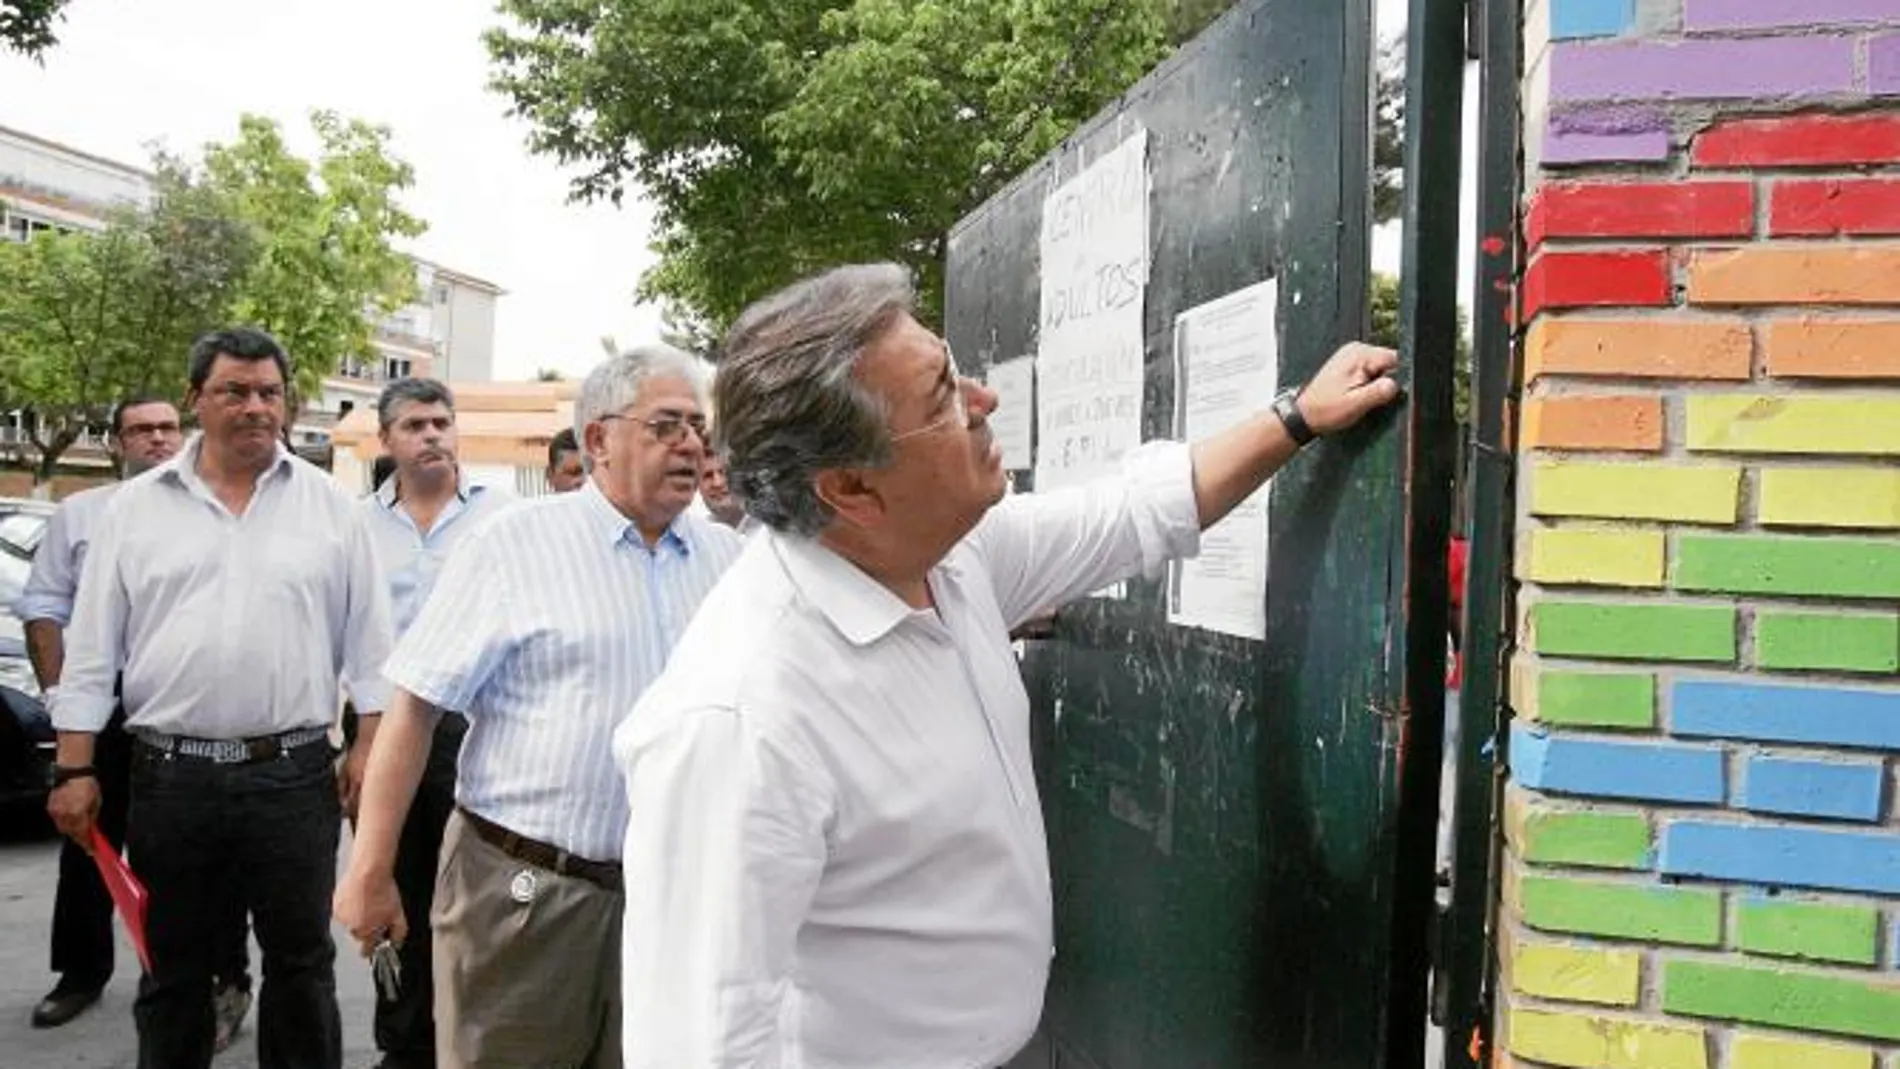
{"x": 566, "y": 472}
{"x": 416, "y": 517}
{"x": 834, "y": 772}
{"x": 233, "y": 584}
{"x": 546, "y": 625}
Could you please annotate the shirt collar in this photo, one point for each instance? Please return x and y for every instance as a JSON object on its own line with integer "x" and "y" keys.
{"x": 465, "y": 488}
{"x": 182, "y": 469}
{"x": 616, "y": 527}
{"x": 861, "y": 608}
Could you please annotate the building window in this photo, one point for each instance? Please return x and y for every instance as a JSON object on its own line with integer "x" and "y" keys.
{"x": 441, "y": 295}
{"x": 343, "y": 408}
{"x": 395, "y": 367}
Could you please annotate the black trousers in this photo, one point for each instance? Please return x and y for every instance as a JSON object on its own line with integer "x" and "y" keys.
{"x": 269, "y": 830}
{"x": 405, "y": 1025}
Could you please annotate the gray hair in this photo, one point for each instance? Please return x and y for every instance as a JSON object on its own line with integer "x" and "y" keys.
{"x": 614, "y": 384}
{"x": 788, "y": 400}
{"x": 411, "y": 391}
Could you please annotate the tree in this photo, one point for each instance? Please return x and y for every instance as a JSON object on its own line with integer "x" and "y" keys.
{"x": 1388, "y": 131}
{"x": 26, "y": 26}
{"x": 1385, "y": 331}
{"x": 326, "y": 268}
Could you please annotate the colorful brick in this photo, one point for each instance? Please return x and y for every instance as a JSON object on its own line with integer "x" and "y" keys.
{"x": 1590, "y": 838}
{"x": 1777, "y": 564}
{"x": 1590, "y": 18}
{"x": 1615, "y": 134}
{"x": 1755, "y": 1051}
{"x": 1883, "y": 65}
{"x": 1645, "y": 210}
{"x": 1624, "y": 700}
{"x": 1639, "y": 278}
{"x": 1668, "y": 348}
{"x": 1829, "y": 273}
{"x": 1845, "y": 717}
{"x": 1799, "y": 787}
{"x": 1593, "y": 557}
{"x": 1709, "y": 69}
{"x": 1577, "y": 974}
{"x": 1618, "y": 631}
{"x": 1587, "y": 1041}
{"x": 1825, "y": 347}
{"x": 1783, "y": 997}
{"x": 1783, "y": 855}
{"x": 1708, "y": 494}
{"x": 1817, "y": 931}
{"x": 1593, "y": 422}
{"x": 1691, "y": 774}
{"x": 1827, "y": 207}
{"x": 1825, "y": 640}
{"x": 1829, "y": 497}
{"x": 1700, "y": 15}
{"x": 1813, "y": 140}
{"x": 1799, "y": 423}
{"x": 1681, "y": 915}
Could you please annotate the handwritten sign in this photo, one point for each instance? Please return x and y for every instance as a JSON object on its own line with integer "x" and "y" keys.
{"x": 1015, "y": 384}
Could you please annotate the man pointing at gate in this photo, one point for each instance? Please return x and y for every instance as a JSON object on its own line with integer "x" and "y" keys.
{"x": 833, "y": 773}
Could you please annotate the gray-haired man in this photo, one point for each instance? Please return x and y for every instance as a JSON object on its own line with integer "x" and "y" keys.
{"x": 546, "y": 626}
{"x": 416, "y": 517}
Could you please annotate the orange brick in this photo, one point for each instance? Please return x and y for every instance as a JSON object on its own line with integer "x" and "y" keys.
{"x": 1820, "y": 348}
{"x": 1796, "y": 274}
{"x": 1639, "y": 348}
{"x": 1634, "y": 424}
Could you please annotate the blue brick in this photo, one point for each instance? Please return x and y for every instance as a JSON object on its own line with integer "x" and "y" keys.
{"x": 1783, "y": 856}
{"x": 1651, "y": 771}
{"x": 1590, "y": 18}
{"x": 1826, "y": 716}
{"x": 1793, "y": 787}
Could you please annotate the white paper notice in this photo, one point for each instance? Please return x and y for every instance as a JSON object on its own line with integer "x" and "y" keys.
{"x": 1094, "y": 276}
{"x": 1015, "y": 384}
{"x": 1226, "y": 364}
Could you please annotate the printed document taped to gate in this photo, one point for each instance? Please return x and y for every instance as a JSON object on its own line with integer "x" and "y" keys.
{"x": 1014, "y": 382}
{"x": 1226, "y": 367}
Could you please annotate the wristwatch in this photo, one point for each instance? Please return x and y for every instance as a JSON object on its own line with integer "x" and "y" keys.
{"x": 1287, "y": 407}
{"x": 64, "y": 774}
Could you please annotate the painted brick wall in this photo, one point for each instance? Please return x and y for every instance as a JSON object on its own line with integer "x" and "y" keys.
{"x": 1704, "y": 841}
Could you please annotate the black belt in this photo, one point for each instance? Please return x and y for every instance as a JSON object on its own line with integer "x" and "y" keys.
{"x": 604, "y": 874}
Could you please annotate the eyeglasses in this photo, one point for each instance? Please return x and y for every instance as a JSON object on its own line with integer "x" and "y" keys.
{"x": 168, "y": 429}
{"x": 668, "y": 429}
{"x": 959, "y": 414}
{"x": 235, "y": 394}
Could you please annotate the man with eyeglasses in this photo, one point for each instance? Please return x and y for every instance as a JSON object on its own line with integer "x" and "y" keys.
{"x": 233, "y": 584}
{"x": 545, "y": 626}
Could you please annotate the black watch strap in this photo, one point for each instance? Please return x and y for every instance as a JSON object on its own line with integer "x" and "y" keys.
{"x": 1286, "y": 406}
{"x": 64, "y": 774}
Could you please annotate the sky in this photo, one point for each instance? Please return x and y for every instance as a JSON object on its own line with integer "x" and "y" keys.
{"x": 130, "y": 73}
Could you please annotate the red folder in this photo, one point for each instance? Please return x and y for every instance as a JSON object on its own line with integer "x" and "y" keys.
{"x": 126, "y": 890}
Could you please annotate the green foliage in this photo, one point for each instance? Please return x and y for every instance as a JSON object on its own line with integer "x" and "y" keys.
{"x": 1385, "y": 331}
{"x": 26, "y": 26}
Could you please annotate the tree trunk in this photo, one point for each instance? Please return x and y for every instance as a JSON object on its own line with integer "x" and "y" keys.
{"x": 50, "y": 452}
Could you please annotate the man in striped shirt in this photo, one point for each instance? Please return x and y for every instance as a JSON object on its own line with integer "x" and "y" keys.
{"x": 545, "y": 627}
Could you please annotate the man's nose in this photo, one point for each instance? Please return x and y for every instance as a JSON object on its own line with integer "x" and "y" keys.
{"x": 979, "y": 398}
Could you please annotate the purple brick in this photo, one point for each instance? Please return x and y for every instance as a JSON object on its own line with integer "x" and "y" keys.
{"x": 1883, "y": 65}
{"x": 1759, "y": 14}
{"x": 1606, "y": 135}
{"x": 1702, "y": 69}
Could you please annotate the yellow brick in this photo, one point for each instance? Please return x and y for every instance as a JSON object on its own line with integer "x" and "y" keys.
{"x": 1593, "y": 557}
{"x": 1830, "y": 497}
{"x": 1590, "y": 1041}
{"x": 1689, "y": 494}
{"x": 1577, "y": 974}
{"x": 1795, "y": 423}
{"x": 1773, "y": 1052}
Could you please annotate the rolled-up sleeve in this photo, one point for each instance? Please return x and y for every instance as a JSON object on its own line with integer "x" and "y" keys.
{"x": 53, "y": 583}
{"x": 462, "y": 634}
{"x": 367, "y": 633}
{"x": 1044, "y": 550}
{"x": 737, "y": 823}
{"x": 95, "y": 639}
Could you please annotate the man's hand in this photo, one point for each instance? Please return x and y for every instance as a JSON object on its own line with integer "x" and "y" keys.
{"x": 368, "y": 904}
{"x": 349, "y": 776}
{"x": 1354, "y": 382}
{"x": 74, "y": 807}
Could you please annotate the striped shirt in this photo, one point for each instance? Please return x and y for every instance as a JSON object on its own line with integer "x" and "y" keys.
{"x": 412, "y": 559}
{"x": 547, "y": 624}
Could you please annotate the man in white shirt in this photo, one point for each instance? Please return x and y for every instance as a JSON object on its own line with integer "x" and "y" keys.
{"x": 546, "y": 625}
{"x": 233, "y": 585}
{"x": 416, "y": 518}
{"x": 834, "y": 771}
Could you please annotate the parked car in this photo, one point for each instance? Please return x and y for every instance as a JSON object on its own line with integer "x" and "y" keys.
{"x": 22, "y": 525}
{"x": 26, "y": 733}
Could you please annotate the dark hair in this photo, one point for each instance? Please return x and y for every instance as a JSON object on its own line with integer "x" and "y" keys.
{"x": 134, "y": 400}
{"x": 405, "y": 391}
{"x": 380, "y": 470}
{"x": 562, "y": 442}
{"x": 248, "y": 344}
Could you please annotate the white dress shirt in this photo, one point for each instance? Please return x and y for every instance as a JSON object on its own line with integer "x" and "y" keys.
{"x": 411, "y": 559}
{"x": 546, "y": 625}
{"x": 225, "y": 626}
{"x": 836, "y": 857}
{"x": 54, "y": 581}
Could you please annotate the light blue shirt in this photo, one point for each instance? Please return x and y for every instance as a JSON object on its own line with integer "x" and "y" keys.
{"x": 54, "y": 581}
{"x": 411, "y": 559}
{"x": 547, "y": 624}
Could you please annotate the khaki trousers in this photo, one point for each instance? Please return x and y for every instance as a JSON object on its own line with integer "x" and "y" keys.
{"x": 522, "y": 985}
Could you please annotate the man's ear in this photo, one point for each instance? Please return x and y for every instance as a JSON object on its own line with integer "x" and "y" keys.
{"x": 851, "y": 497}
{"x": 594, "y": 441}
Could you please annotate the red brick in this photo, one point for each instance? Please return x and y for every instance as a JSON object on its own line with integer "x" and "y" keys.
{"x": 1641, "y": 210}
{"x": 1820, "y": 207}
{"x": 1801, "y": 141}
{"x": 1637, "y": 278}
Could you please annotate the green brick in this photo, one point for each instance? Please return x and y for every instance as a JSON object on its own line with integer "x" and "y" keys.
{"x": 1580, "y": 837}
{"x": 1812, "y": 930}
{"x": 1622, "y": 910}
{"x": 1597, "y": 699}
{"x": 1827, "y": 640}
{"x": 1749, "y": 1051}
{"x": 1828, "y": 567}
{"x": 1836, "y": 1003}
{"x": 1649, "y": 632}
